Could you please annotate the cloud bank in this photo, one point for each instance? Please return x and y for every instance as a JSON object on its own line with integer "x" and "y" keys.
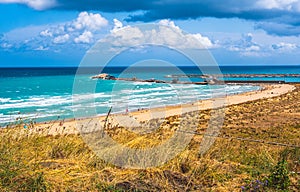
{"x": 80, "y": 30}
{"x": 167, "y": 34}
{"x": 84, "y": 30}
{"x": 77, "y": 34}
{"x": 271, "y": 15}
{"x": 87, "y": 28}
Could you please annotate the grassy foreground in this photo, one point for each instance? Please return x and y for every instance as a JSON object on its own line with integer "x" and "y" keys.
{"x": 65, "y": 163}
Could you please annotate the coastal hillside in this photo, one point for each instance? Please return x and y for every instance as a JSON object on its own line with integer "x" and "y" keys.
{"x": 257, "y": 150}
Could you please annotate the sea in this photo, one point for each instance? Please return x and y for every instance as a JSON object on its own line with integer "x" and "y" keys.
{"x": 50, "y": 94}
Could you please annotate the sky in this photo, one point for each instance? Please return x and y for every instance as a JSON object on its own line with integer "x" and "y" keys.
{"x": 58, "y": 33}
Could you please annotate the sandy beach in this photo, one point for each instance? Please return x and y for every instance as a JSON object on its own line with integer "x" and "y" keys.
{"x": 134, "y": 119}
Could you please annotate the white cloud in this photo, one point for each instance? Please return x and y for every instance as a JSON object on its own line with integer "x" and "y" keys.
{"x": 253, "y": 48}
{"x": 168, "y": 22}
{"x": 89, "y": 21}
{"x": 56, "y": 37}
{"x": 36, "y": 4}
{"x": 167, "y": 33}
{"x": 117, "y": 26}
{"x": 6, "y": 45}
{"x": 204, "y": 40}
{"x": 46, "y": 33}
{"x": 61, "y": 39}
{"x": 85, "y": 37}
{"x": 126, "y": 36}
{"x": 41, "y": 48}
{"x": 246, "y": 46}
{"x": 79, "y": 29}
{"x": 290, "y": 5}
{"x": 284, "y": 47}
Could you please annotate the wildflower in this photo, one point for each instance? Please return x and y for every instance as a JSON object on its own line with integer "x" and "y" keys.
{"x": 266, "y": 182}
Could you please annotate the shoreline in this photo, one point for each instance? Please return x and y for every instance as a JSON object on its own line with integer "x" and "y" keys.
{"x": 134, "y": 118}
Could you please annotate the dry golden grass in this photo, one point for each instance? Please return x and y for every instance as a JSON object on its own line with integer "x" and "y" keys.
{"x": 65, "y": 163}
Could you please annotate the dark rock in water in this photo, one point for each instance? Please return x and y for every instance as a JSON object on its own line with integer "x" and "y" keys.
{"x": 104, "y": 76}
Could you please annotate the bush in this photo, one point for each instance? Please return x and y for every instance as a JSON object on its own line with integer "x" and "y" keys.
{"x": 279, "y": 178}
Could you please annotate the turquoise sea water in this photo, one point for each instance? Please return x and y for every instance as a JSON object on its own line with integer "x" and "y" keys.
{"x": 48, "y": 93}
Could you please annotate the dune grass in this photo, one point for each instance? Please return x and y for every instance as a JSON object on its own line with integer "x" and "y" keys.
{"x": 66, "y": 163}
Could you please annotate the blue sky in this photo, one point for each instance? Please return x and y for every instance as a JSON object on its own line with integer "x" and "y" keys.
{"x": 59, "y": 32}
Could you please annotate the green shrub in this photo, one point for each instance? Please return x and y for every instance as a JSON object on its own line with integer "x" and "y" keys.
{"x": 279, "y": 178}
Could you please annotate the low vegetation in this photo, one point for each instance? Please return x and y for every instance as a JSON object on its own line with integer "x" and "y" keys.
{"x": 259, "y": 163}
